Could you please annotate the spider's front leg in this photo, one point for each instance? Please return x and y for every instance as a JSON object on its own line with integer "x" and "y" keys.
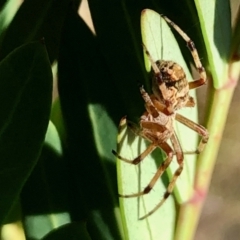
{"x": 161, "y": 83}
{"x": 191, "y": 46}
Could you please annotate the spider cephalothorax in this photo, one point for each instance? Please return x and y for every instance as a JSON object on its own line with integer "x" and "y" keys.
{"x": 175, "y": 93}
{"x": 170, "y": 93}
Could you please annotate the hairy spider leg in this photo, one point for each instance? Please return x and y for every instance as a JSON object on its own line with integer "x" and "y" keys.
{"x": 179, "y": 154}
{"x": 202, "y": 131}
{"x": 191, "y": 46}
{"x": 157, "y": 73}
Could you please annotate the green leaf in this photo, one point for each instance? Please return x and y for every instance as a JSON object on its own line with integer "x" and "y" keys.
{"x": 46, "y": 22}
{"x": 161, "y": 44}
{"x": 131, "y": 179}
{"x": 7, "y": 13}
{"x": 2, "y": 3}
{"x": 72, "y": 231}
{"x": 215, "y": 21}
{"x": 235, "y": 48}
{"x": 25, "y": 100}
{"x": 52, "y": 139}
{"x": 89, "y": 104}
{"x": 57, "y": 119}
{"x": 121, "y": 51}
{"x": 38, "y": 226}
{"x": 44, "y": 196}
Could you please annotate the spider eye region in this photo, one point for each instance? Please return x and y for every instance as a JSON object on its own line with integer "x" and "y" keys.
{"x": 171, "y": 73}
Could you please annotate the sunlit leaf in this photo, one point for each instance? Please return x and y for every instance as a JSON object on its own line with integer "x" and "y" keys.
{"x": 215, "y": 21}
{"x": 132, "y": 179}
{"x": 162, "y": 45}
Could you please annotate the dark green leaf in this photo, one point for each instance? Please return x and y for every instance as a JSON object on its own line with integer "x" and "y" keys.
{"x": 89, "y": 101}
{"x": 25, "y": 100}
{"x": 72, "y": 231}
{"x": 236, "y": 37}
{"x": 45, "y": 194}
{"x": 34, "y": 20}
{"x": 2, "y": 2}
{"x": 215, "y": 20}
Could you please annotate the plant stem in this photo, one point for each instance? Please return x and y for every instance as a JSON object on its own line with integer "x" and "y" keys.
{"x": 191, "y": 210}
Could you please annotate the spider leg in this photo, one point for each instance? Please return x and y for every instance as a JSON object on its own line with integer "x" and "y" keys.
{"x": 153, "y": 109}
{"x": 164, "y": 146}
{"x": 137, "y": 131}
{"x": 148, "y": 103}
{"x": 154, "y": 65}
{"x": 156, "y": 114}
{"x": 179, "y": 154}
{"x": 203, "y": 132}
{"x": 162, "y": 85}
{"x": 191, "y": 46}
{"x": 139, "y": 158}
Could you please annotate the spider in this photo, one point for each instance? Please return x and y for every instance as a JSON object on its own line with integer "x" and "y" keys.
{"x": 170, "y": 93}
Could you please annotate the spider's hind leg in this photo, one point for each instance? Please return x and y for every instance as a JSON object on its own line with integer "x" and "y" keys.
{"x": 179, "y": 154}
{"x": 161, "y": 169}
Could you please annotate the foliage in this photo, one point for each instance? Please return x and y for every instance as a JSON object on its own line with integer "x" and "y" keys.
{"x": 57, "y": 173}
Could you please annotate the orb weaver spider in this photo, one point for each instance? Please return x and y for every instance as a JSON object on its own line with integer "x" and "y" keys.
{"x": 170, "y": 89}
